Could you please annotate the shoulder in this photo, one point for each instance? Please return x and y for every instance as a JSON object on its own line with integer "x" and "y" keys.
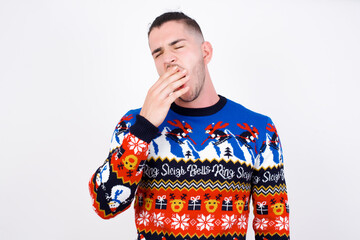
{"x": 129, "y": 117}
{"x": 134, "y": 112}
{"x": 239, "y": 111}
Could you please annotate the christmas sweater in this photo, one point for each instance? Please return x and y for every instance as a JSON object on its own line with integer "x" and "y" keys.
{"x": 193, "y": 177}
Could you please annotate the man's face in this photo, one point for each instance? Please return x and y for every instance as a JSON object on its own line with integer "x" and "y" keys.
{"x": 173, "y": 43}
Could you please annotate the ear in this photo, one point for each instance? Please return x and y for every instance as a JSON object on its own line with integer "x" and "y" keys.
{"x": 207, "y": 51}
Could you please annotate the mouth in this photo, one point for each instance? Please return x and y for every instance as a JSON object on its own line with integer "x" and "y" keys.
{"x": 181, "y": 87}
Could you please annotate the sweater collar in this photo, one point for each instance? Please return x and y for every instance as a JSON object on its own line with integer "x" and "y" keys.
{"x": 198, "y": 112}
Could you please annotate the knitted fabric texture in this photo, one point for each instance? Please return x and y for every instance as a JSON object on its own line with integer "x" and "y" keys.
{"x": 194, "y": 176}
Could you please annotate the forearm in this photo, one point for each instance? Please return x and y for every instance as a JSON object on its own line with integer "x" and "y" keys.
{"x": 114, "y": 184}
{"x": 269, "y": 192}
{"x": 270, "y": 202}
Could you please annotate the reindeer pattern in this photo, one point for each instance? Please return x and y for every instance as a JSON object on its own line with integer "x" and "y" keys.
{"x": 228, "y": 139}
{"x": 198, "y": 177}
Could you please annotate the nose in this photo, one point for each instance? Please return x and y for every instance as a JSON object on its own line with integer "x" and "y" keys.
{"x": 169, "y": 59}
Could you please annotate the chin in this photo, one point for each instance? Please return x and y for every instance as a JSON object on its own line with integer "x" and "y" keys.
{"x": 188, "y": 97}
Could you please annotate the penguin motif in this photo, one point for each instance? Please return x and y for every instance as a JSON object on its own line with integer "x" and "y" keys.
{"x": 122, "y": 126}
{"x": 249, "y": 135}
{"x": 275, "y": 137}
{"x": 181, "y": 132}
{"x": 216, "y": 134}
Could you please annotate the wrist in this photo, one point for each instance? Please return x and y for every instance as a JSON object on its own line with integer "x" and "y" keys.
{"x": 144, "y": 129}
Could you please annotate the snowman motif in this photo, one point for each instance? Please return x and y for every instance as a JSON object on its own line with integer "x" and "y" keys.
{"x": 119, "y": 194}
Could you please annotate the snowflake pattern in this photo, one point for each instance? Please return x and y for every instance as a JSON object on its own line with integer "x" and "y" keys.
{"x": 193, "y": 222}
{"x": 228, "y": 221}
{"x": 137, "y": 145}
{"x": 143, "y": 218}
{"x": 180, "y": 221}
{"x": 217, "y": 222}
{"x": 158, "y": 219}
{"x": 282, "y": 223}
{"x": 242, "y": 222}
{"x": 167, "y": 220}
{"x": 261, "y": 223}
{"x": 205, "y": 222}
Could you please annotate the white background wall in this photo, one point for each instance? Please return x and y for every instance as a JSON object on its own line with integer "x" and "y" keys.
{"x": 70, "y": 69}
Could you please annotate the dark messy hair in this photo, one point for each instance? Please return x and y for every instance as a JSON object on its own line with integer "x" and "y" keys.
{"x": 175, "y": 16}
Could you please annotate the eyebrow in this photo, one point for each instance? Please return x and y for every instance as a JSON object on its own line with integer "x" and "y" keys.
{"x": 170, "y": 44}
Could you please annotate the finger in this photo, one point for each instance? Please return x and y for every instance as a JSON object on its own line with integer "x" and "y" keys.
{"x": 172, "y": 87}
{"x": 172, "y": 78}
{"x": 169, "y": 72}
{"x": 175, "y": 85}
{"x": 172, "y": 97}
{"x": 164, "y": 88}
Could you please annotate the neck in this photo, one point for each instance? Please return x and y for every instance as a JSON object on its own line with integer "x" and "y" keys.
{"x": 207, "y": 97}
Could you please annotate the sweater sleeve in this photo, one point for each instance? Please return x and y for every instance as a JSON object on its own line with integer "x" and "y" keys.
{"x": 270, "y": 201}
{"x": 113, "y": 185}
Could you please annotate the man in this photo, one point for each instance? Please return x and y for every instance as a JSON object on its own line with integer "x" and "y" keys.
{"x": 191, "y": 158}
